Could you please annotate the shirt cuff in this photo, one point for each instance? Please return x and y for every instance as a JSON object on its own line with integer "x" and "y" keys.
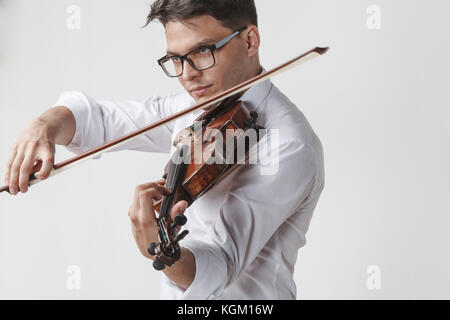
{"x": 210, "y": 274}
{"x": 79, "y": 107}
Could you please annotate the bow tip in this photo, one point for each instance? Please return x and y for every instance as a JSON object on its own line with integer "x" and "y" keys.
{"x": 322, "y": 50}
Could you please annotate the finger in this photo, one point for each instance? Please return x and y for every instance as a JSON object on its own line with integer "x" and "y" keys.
{"x": 161, "y": 182}
{"x": 179, "y": 208}
{"x": 164, "y": 191}
{"x": 158, "y": 185}
{"x": 37, "y": 166}
{"x": 14, "y": 175}
{"x": 9, "y": 163}
{"x": 139, "y": 189}
{"x": 146, "y": 212}
{"x": 137, "y": 213}
{"x": 27, "y": 165}
{"x": 48, "y": 161}
{"x": 25, "y": 170}
{"x": 146, "y": 186}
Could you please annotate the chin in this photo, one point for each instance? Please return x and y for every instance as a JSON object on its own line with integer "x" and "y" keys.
{"x": 202, "y": 98}
{"x": 198, "y": 100}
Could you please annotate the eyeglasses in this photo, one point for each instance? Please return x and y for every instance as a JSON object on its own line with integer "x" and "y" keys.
{"x": 200, "y": 59}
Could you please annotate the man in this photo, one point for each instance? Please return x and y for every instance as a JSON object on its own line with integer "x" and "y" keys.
{"x": 246, "y": 231}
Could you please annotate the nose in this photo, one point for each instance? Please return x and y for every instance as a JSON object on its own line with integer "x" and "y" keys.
{"x": 189, "y": 73}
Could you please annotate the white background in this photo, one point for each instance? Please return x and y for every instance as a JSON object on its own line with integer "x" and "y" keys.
{"x": 379, "y": 102}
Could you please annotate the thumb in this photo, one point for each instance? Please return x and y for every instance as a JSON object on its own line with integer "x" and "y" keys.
{"x": 179, "y": 208}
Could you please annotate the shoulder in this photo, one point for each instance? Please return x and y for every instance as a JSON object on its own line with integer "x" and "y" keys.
{"x": 281, "y": 116}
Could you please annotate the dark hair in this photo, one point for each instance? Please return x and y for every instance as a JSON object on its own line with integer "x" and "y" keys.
{"x": 233, "y": 14}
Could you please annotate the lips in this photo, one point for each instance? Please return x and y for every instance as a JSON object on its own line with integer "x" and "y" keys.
{"x": 200, "y": 91}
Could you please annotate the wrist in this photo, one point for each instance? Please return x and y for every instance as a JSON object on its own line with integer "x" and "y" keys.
{"x": 46, "y": 128}
{"x": 183, "y": 272}
{"x": 59, "y": 123}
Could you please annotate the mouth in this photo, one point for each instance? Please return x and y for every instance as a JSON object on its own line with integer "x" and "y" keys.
{"x": 200, "y": 91}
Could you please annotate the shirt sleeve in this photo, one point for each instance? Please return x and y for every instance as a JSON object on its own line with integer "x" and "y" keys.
{"x": 98, "y": 122}
{"x": 256, "y": 206}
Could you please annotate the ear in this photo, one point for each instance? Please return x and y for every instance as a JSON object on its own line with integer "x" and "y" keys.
{"x": 252, "y": 39}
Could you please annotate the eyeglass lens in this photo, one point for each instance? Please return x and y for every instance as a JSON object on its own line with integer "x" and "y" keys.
{"x": 200, "y": 59}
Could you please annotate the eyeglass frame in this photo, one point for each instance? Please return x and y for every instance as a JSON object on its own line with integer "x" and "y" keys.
{"x": 212, "y": 48}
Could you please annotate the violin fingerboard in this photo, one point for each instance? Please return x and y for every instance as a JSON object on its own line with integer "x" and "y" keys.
{"x": 176, "y": 169}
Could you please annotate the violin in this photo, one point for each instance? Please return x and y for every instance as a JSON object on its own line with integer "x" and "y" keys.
{"x": 186, "y": 178}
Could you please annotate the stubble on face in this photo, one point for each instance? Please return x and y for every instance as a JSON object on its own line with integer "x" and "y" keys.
{"x": 231, "y": 60}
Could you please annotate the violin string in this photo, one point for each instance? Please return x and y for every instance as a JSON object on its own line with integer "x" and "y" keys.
{"x": 176, "y": 166}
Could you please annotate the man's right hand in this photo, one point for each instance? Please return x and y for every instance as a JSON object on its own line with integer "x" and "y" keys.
{"x": 33, "y": 152}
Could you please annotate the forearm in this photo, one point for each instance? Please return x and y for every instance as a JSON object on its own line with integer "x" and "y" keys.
{"x": 183, "y": 272}
{"x": 61, "y": 123}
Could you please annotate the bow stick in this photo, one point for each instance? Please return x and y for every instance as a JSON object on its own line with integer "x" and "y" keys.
{"x": 67, "y": 164}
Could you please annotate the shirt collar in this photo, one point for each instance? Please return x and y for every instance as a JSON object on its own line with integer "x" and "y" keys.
{"x": 254, "y": 97}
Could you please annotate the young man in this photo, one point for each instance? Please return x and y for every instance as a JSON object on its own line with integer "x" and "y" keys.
{"x": 246, "y": 231}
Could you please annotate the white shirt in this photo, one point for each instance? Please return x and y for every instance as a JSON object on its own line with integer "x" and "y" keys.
{"x": 246, "y": 231}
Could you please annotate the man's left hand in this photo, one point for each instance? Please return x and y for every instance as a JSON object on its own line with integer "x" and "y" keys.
{"x": 143, "y": 217}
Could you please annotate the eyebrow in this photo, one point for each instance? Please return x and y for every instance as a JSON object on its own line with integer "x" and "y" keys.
{"x": 199, "y": 44}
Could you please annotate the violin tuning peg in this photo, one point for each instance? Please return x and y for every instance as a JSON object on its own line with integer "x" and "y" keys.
{"x": 151, "y": 248}
{"x": 180, "y": 220}
{"x": 180, "y": 236}
{"x": 158, "y": 265}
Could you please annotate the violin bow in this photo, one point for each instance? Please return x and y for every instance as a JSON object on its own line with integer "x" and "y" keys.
{"x": 72, "y": 162}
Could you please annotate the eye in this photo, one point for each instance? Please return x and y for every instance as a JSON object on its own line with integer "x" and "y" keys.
{"x": 203, "y": 51}
{"x": 175, "y": 59}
